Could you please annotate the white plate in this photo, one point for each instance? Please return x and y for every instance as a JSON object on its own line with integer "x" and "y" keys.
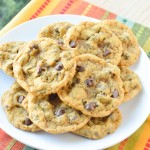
{"x": 134, "y": 112}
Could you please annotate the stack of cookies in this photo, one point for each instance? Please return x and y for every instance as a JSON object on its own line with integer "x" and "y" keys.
{"x": 72, "y": 78}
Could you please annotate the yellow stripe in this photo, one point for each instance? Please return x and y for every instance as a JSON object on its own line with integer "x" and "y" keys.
{"x": 24, "y": 15}
{"x": 105, "y": 16}
{"x": 86, "y": 10}
{"x": 145, "y": 134}
{"x": 139, "y": 33}
{"x": 10, "y": 144}
{"x": 146, "y": 46}
{"x": 50, "y": 7}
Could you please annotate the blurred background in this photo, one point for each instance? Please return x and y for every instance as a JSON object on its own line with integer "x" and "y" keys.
{"x": 9, "y": 8}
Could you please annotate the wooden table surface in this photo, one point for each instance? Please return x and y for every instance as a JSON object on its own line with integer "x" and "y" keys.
{"x": 135, "y": 10}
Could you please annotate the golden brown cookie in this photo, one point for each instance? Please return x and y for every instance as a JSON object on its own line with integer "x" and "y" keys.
{"x": 12, "y": 103}
{"x": 88, "y": 37}
{"x": 55, "y": 31}
{"x": 8, "y": 52}
{"x": 131, "y": 83}
{"x": 53, "y": 116}
{"x": 131, "y": 50}
{"x": 96, "y": 89}
{"x": 43, "y": 67}
{"x": 97, "y": 128}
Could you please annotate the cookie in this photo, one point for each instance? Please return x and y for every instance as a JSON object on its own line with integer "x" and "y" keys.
{"x": 55, "y": 31}
{"x": 96, "y": 89}
{"x": 131, "y": 83}
{"x": 131, "y": 50}
{"x": 8, "y": 52}
{"x": 97, "y": 128}
{"x": 43, "y": 67}
{"x": 53, "y": 116}
{"x": 88, "y": 37}
{"x": 12, "y": 103}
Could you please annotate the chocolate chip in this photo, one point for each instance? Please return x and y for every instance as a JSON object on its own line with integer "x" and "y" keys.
{"x": 33, "y": 46}
{"x": 72, "y": 44}
{"x": 60, "y": 42}
{"x": 28, "y": 122}
{"x": 107, "y": 52}
{"x": 59, "y": 67}
{"x": 104, "y": 119}
{"x": 39, "y": 69}
{"x": 89, "y": 82}
{"x": 20, "y": 99}
{"x": 57, "y": 31}
{"x": 60, "y": 112}
{"x": 90, "y": 106}
{"x": 72, "y": 118}
{"x": 80, "y": 68}
{"x": 54, "y": 99}
{"x": 115, "y": 93}
{"x": 53, "y": 96}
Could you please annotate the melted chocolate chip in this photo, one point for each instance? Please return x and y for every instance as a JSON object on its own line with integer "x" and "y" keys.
{"x": 72, "y": 118}
{"x": 80, "y": 68}
{"x": 54, "y": 99}
{"x": 72, "y": 44}
{"x": 89, "y": 82}
{"x": 39, "y": 69}
{"x": 104, "y": 119}
{"x": 20, "y": 99}
{"x": 90, "y": 106}
{"x": 59, "y": 67}
{"x": 33, "y": 46}
{"x": 115, "y": 93}
{"x": 60, "y": 42}
{"x": 60, "y": 112}
{"x": 27, "y": 122}
{"x": 57, "y": 31}
{"x": 107, "y": 52}
{"x": 53, "y": 96}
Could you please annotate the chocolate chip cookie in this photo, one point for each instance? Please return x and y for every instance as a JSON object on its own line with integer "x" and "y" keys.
{"x": 97, "y": 128}
{"x": 8, "y": 52}
{"x": 53, "y": 116}
{"x": 12, "y": 103}
{"x": 88, "y": 37}
{"x": 131, "y": 50}
{"x": 55, "y": 31}
{"x": 96, "y": 89}
{"x": 131, "y": 83}
{"x": 43, "y": 67}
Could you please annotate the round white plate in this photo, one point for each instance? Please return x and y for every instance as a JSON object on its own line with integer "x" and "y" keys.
{"x": 134, "y": 112}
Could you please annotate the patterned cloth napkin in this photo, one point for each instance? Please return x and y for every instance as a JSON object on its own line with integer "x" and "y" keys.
{"x": 140, "y": 140}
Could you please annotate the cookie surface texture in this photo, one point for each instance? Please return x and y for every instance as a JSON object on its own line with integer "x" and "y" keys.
{"x": 8, "y": 52}
{"x": 131, "y": 50}
{"x": 53, "y": 116}
{"x": 55, "y": 31}
{"x": 43, "y": 67}
{"x": 11, "y": 101}
{"x": 92, "y": 38}
{"x": 97, "y": 128}
{"x": 131, "y": 83}
{"x": 96, "y": 89}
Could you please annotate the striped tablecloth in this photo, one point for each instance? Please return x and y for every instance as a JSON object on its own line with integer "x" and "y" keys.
{"x": 140, "y": 140}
